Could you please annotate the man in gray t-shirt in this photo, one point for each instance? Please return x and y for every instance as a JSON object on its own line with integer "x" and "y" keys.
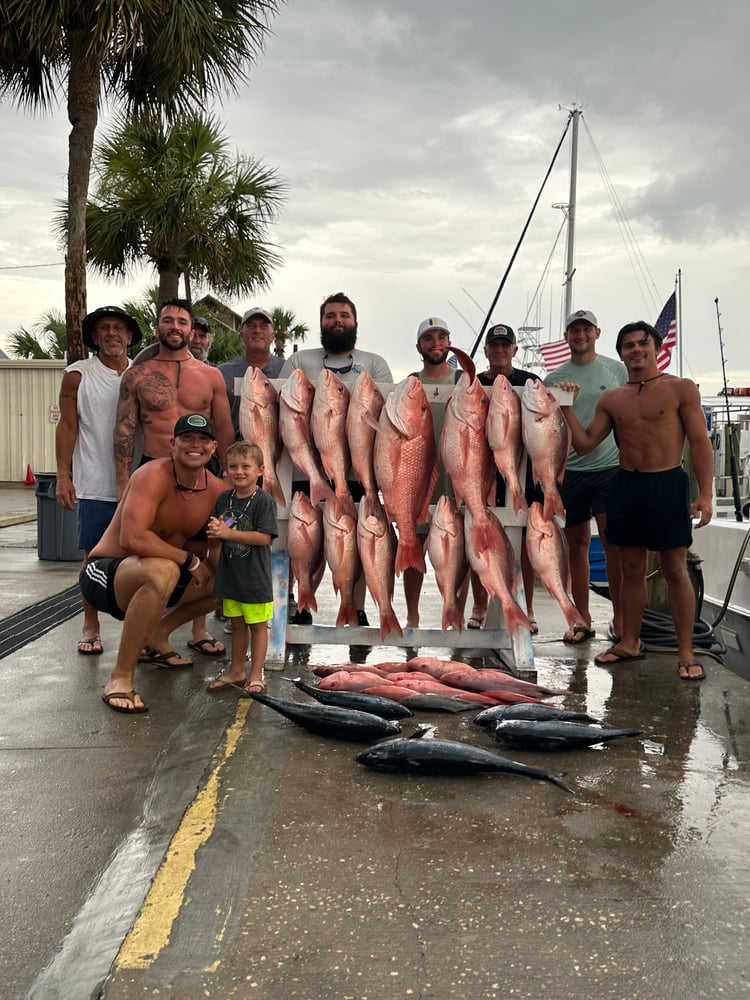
{"x": 257, "y": 334}
{"x": 588, "y": 478}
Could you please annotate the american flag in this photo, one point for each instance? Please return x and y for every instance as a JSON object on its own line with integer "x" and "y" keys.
{"x": 555, "y": 354}
{"x": 666, "y": 325}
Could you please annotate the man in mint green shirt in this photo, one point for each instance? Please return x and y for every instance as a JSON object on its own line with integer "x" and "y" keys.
{"x": 588, "y": 478}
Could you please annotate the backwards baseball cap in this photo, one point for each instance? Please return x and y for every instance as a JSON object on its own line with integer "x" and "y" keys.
{"x": 194, "y": 423}
{"x": 202, "y": 323}
{"x": 500, "y": 332}
{"x": 256, "y": 311}
{"x": 89, "y": 322}
{"x": 432, "y": 323}
{"x": 585, "y": 315}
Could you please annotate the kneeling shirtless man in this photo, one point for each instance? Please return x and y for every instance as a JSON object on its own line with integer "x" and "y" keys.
{"x": 139, "y": 567}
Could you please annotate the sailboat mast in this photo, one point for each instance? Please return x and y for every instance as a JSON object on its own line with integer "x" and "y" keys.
{"x": 575, "y": 114}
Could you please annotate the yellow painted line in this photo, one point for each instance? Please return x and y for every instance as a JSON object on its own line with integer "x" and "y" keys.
{"x": 151, "y": 932}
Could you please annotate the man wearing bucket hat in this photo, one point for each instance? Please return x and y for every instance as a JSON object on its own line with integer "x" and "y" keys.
{"x": 142, "y": 565}
{"x": 83, "y": 440}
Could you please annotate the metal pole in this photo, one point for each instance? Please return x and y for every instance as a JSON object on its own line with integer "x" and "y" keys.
{"x": 730, "y": 435}
{"x": 679, "y": 318}
{"x": 575, "y": 114}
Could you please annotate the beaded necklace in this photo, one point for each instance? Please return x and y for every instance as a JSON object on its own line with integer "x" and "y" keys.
{"x": 233, "y": 513}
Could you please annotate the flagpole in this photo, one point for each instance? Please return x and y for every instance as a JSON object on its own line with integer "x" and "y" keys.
{"x": 678, "y": 287}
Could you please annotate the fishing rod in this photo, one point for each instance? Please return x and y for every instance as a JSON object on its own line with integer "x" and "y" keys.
{"x": 730, "y": 434}
{"x": 520, "y": 241}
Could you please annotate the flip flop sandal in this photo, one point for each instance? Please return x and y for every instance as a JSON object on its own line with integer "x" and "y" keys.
{"x": 94, "y": 644}
{"x": 223, "y": 683}
{"x": 578, "y": 634}
{"x": 476, "y": 622}
{"x": 685, "y": 665}
{"x": 199, "y": 645}
{"x": 124, "y": 696}
{"x": 164, "y": 659}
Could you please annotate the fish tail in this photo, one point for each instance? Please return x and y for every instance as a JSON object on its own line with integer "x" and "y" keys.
{"x": 557, "y": 778}
{"x": 389, "y": 623}
{"x": 347, "y": 615}
{"x": 452, "y": 617}
{"x": 553, "y": 504}
{"x": 306, "y": 598}
{"x": 319, "y": 491}
{"x": 409, "y": 555}
{"x": 272, "y": 486}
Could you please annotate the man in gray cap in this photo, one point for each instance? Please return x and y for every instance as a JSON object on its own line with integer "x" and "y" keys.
{"x": 588, "y": 477}
{"x": 83, "y": 439}
{"x": 257, "y": 335}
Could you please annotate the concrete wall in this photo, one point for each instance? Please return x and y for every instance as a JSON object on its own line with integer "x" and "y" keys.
{"x": 29, "y": 392}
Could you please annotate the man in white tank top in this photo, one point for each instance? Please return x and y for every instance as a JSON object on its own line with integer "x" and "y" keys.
{"x": 85, "y": 462}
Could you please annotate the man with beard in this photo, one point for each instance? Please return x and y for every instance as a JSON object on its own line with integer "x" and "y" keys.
{"x": 338, "y": 353}
{"x": 200, "y": 340}
{"x": 154, "y": 394}
{"x": 257, "y": 334}
{"x": 433, "y": 346}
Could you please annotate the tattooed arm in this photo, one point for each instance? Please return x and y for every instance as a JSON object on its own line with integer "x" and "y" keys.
{"x": 125, "y": 425}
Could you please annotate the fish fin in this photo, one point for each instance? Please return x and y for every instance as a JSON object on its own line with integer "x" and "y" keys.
{"x": 481, "y": 537}
{"x": 409, "y": 555}
{"x": 434, "y": 474}
{"x": 389, "y": 624}
{"x": 319, "y": 491}
{"x": 452, "y": 617}
{"x": 553, "y": 504}
{"x": 347, "y": 615}
{"x": 424, "y": 731}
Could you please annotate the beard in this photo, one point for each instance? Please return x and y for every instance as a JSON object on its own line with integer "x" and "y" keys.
{"x": 172, "y": 347}
{"x": 339, "y": 341}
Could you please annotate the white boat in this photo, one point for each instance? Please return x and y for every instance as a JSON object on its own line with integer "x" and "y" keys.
{"x": 724, "y": 550}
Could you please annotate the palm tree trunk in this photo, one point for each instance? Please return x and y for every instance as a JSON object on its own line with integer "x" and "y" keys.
{"x": 83, "y": 108}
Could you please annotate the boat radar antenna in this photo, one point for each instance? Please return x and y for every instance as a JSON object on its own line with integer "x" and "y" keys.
{"x": 732, "y": 456}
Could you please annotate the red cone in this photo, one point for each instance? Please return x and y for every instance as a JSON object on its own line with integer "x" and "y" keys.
{"x": 29, "y": 480}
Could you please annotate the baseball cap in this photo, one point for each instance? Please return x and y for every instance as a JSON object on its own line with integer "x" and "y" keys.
{"x": 583, "y": 314}
{"x": 202, "y": 323}
{"x": 256, "y": 311}
{"x": 194, "y": 423}
{"x": 432, "y": 323}
{"x": 500, "y": 332}
{"x": 89, "y": 322}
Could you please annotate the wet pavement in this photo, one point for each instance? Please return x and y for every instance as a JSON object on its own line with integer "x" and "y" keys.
{"x": 213, "y": 849}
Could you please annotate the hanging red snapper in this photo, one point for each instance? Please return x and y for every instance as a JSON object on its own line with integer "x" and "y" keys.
{"x": 305, "y": 547}
{"x": 447, "y": 551}
{"x": 547, "y": 438}
{"x": 495, "y": 567}
{"x": 406, "y": 466}
{"x": 328, "y": 422}
{"x": 259, "y": 422}
{"x": 342, "y": 556}
{"x": 295, "y": 410}
{"x": 376, "y": 541}
{"x": 548, "y": 554}
{"x": 365, "y": 403}
{"x": 504, "y": 438}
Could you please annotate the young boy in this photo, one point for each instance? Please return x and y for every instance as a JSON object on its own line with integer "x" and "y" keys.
{"x": 240, "y": 532}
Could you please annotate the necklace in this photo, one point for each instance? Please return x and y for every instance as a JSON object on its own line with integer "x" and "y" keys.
{"x": 233, "y": 512}
{"x": 186, "y": 492}
{"x": 640, "y": 382}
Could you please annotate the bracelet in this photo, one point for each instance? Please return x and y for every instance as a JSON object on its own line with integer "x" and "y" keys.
{"x": 194, "y": 566}
{"x": 185, "y": 564}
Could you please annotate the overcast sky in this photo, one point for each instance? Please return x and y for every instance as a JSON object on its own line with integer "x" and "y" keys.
{"x": 414, "y": 138}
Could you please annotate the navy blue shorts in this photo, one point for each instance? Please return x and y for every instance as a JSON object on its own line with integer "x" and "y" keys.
{"x": 93, "y": 520}
{"x": 650, "y": 510}
{"x": 584, "y": 494}
{"x": 97, "y": 583}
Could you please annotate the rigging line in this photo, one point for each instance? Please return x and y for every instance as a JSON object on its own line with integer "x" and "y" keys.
{"x": 26, "y": 267}
{"x": 626, "y": 230}
{"x": 520, "y": 238}
{"x": 545, "y": 274}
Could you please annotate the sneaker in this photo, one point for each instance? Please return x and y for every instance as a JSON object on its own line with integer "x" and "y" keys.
{"x": 362, "y": 620}
{"x": 302, "y": 618}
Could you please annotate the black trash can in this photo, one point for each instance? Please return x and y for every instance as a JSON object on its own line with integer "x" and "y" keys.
{"x": 56, "y": 527}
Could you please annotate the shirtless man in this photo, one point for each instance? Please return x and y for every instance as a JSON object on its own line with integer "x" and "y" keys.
{"x": 158, "y": 391}
{"x": 649, "y": 504}
{"x": 140, "y": 566}
{"x": 153, "y": 394}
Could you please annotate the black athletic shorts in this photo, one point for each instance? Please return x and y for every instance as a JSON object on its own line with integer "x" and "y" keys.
{"x": 650, "y": 510}
{"x": 97, "y": 583}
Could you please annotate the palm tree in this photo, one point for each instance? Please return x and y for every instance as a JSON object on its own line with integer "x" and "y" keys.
{"x": 46, "y": 338}
{"x": 287, "y": 329}
{"x": 162, "y": 55}
{"x": 173, "y": 195}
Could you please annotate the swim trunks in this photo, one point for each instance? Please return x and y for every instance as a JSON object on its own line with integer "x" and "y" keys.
{"x": 650, "y": 510}
{"x": 97, "y": 583}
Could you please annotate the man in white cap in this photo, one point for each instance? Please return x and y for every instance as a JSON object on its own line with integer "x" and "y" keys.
{"x": 257, "y": 334}
{"x": 588, "y": 478}
{"x": 83, "y": 440}
{"x": 434, "y": 347}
